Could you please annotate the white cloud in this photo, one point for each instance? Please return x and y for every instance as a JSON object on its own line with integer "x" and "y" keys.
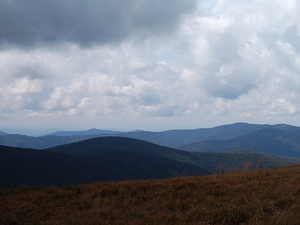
{"x": 228, "y": 61}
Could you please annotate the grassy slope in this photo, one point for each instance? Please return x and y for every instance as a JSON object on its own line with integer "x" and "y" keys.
{"x": 269, "y": 196}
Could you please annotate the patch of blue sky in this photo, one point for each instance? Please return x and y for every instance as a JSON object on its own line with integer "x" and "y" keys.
{"x": 168, "y": 56}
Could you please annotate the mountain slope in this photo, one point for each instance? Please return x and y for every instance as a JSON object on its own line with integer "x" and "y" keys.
{"x": 2, "y": 133}
{"x": 293, "y": 160}
{"x": 19, "y": 167}
{"x": 32, "y": 167}
{"x": 208, "y": 161}
{"x": 94, "y": 145}
{"x": 274, "y": 141}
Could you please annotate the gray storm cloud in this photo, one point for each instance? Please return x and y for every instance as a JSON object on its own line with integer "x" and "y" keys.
{"x": 27, "y": 22}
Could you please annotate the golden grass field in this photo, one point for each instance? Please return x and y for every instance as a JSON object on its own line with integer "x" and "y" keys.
{"x": 270, "y": 196}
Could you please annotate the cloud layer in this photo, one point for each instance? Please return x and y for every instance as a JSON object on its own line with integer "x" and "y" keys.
{"x": 140, "y": 61}
{"x": 25, "y": 22}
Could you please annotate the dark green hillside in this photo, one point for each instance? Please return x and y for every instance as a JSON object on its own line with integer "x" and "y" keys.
{"x": 32, "y": 167}
{"x": 222, "y": 162}
{"x": 293, "y": 160}
{"x": 19, "y": 167}
{"x": 209, "y": 161}
{"x": 274, "y": 141}
{"x": 130, "y": 165}
{"x": 98, "y": 144}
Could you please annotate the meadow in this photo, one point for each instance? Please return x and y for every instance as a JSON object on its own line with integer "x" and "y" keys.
{"x": 268, "y": 196}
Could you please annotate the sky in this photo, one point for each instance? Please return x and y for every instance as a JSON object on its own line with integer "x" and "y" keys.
{"x": 150, "y": 65}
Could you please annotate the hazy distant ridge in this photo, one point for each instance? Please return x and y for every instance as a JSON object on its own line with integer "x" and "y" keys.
{"x": 170, "y": 138}
{"x": 173, "y": 138}
{"x": 274, "y": 141}
{"x": 2, "y": 133}
{"x": 88, "y": 132}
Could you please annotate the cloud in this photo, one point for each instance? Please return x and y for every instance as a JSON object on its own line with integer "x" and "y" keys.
{"x": 225, "y": 61}
{"x": 27, "y": 23}
{"x": 100, "y": 81}
{"x": 234, "y": 46}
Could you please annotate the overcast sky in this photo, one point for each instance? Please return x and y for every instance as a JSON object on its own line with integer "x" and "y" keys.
{"x": 151, "y": 65}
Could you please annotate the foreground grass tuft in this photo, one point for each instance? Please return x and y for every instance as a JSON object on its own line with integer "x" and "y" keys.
{"x": 259, "y": 197}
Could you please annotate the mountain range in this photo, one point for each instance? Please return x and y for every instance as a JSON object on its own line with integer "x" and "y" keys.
{"x": 274, "y": 141}
{"x": 88, "y": 132}
{"x": 58, "y": 159}
{"x": 170, "y": 138}
{"x": 115, "y": 159}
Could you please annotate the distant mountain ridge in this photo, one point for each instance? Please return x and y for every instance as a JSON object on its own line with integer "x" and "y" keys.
{"x": 2, "y": 133}
{"x": 88, "y": 132}
{"x": 170, "y": 138}
{"x": 173, "y": 138}
{"x": 274, "y": 141}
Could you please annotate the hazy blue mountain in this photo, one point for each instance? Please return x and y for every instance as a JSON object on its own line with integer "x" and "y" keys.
{"x": 2, "y": 133}
{"x": 169, "y": 138}
{"x": 172, "y": 138}
{"x": 88, "y": 132}
{"x": 23, "y": 141}
{"x": 274, "y": 141}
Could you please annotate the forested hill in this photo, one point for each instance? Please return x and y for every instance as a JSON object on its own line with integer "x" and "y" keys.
{"x": 22, "y": 167}
{"x": 115, "y": 159}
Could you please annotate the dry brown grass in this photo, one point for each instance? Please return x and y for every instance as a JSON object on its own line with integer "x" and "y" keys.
{"x": 259, "y": 197}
